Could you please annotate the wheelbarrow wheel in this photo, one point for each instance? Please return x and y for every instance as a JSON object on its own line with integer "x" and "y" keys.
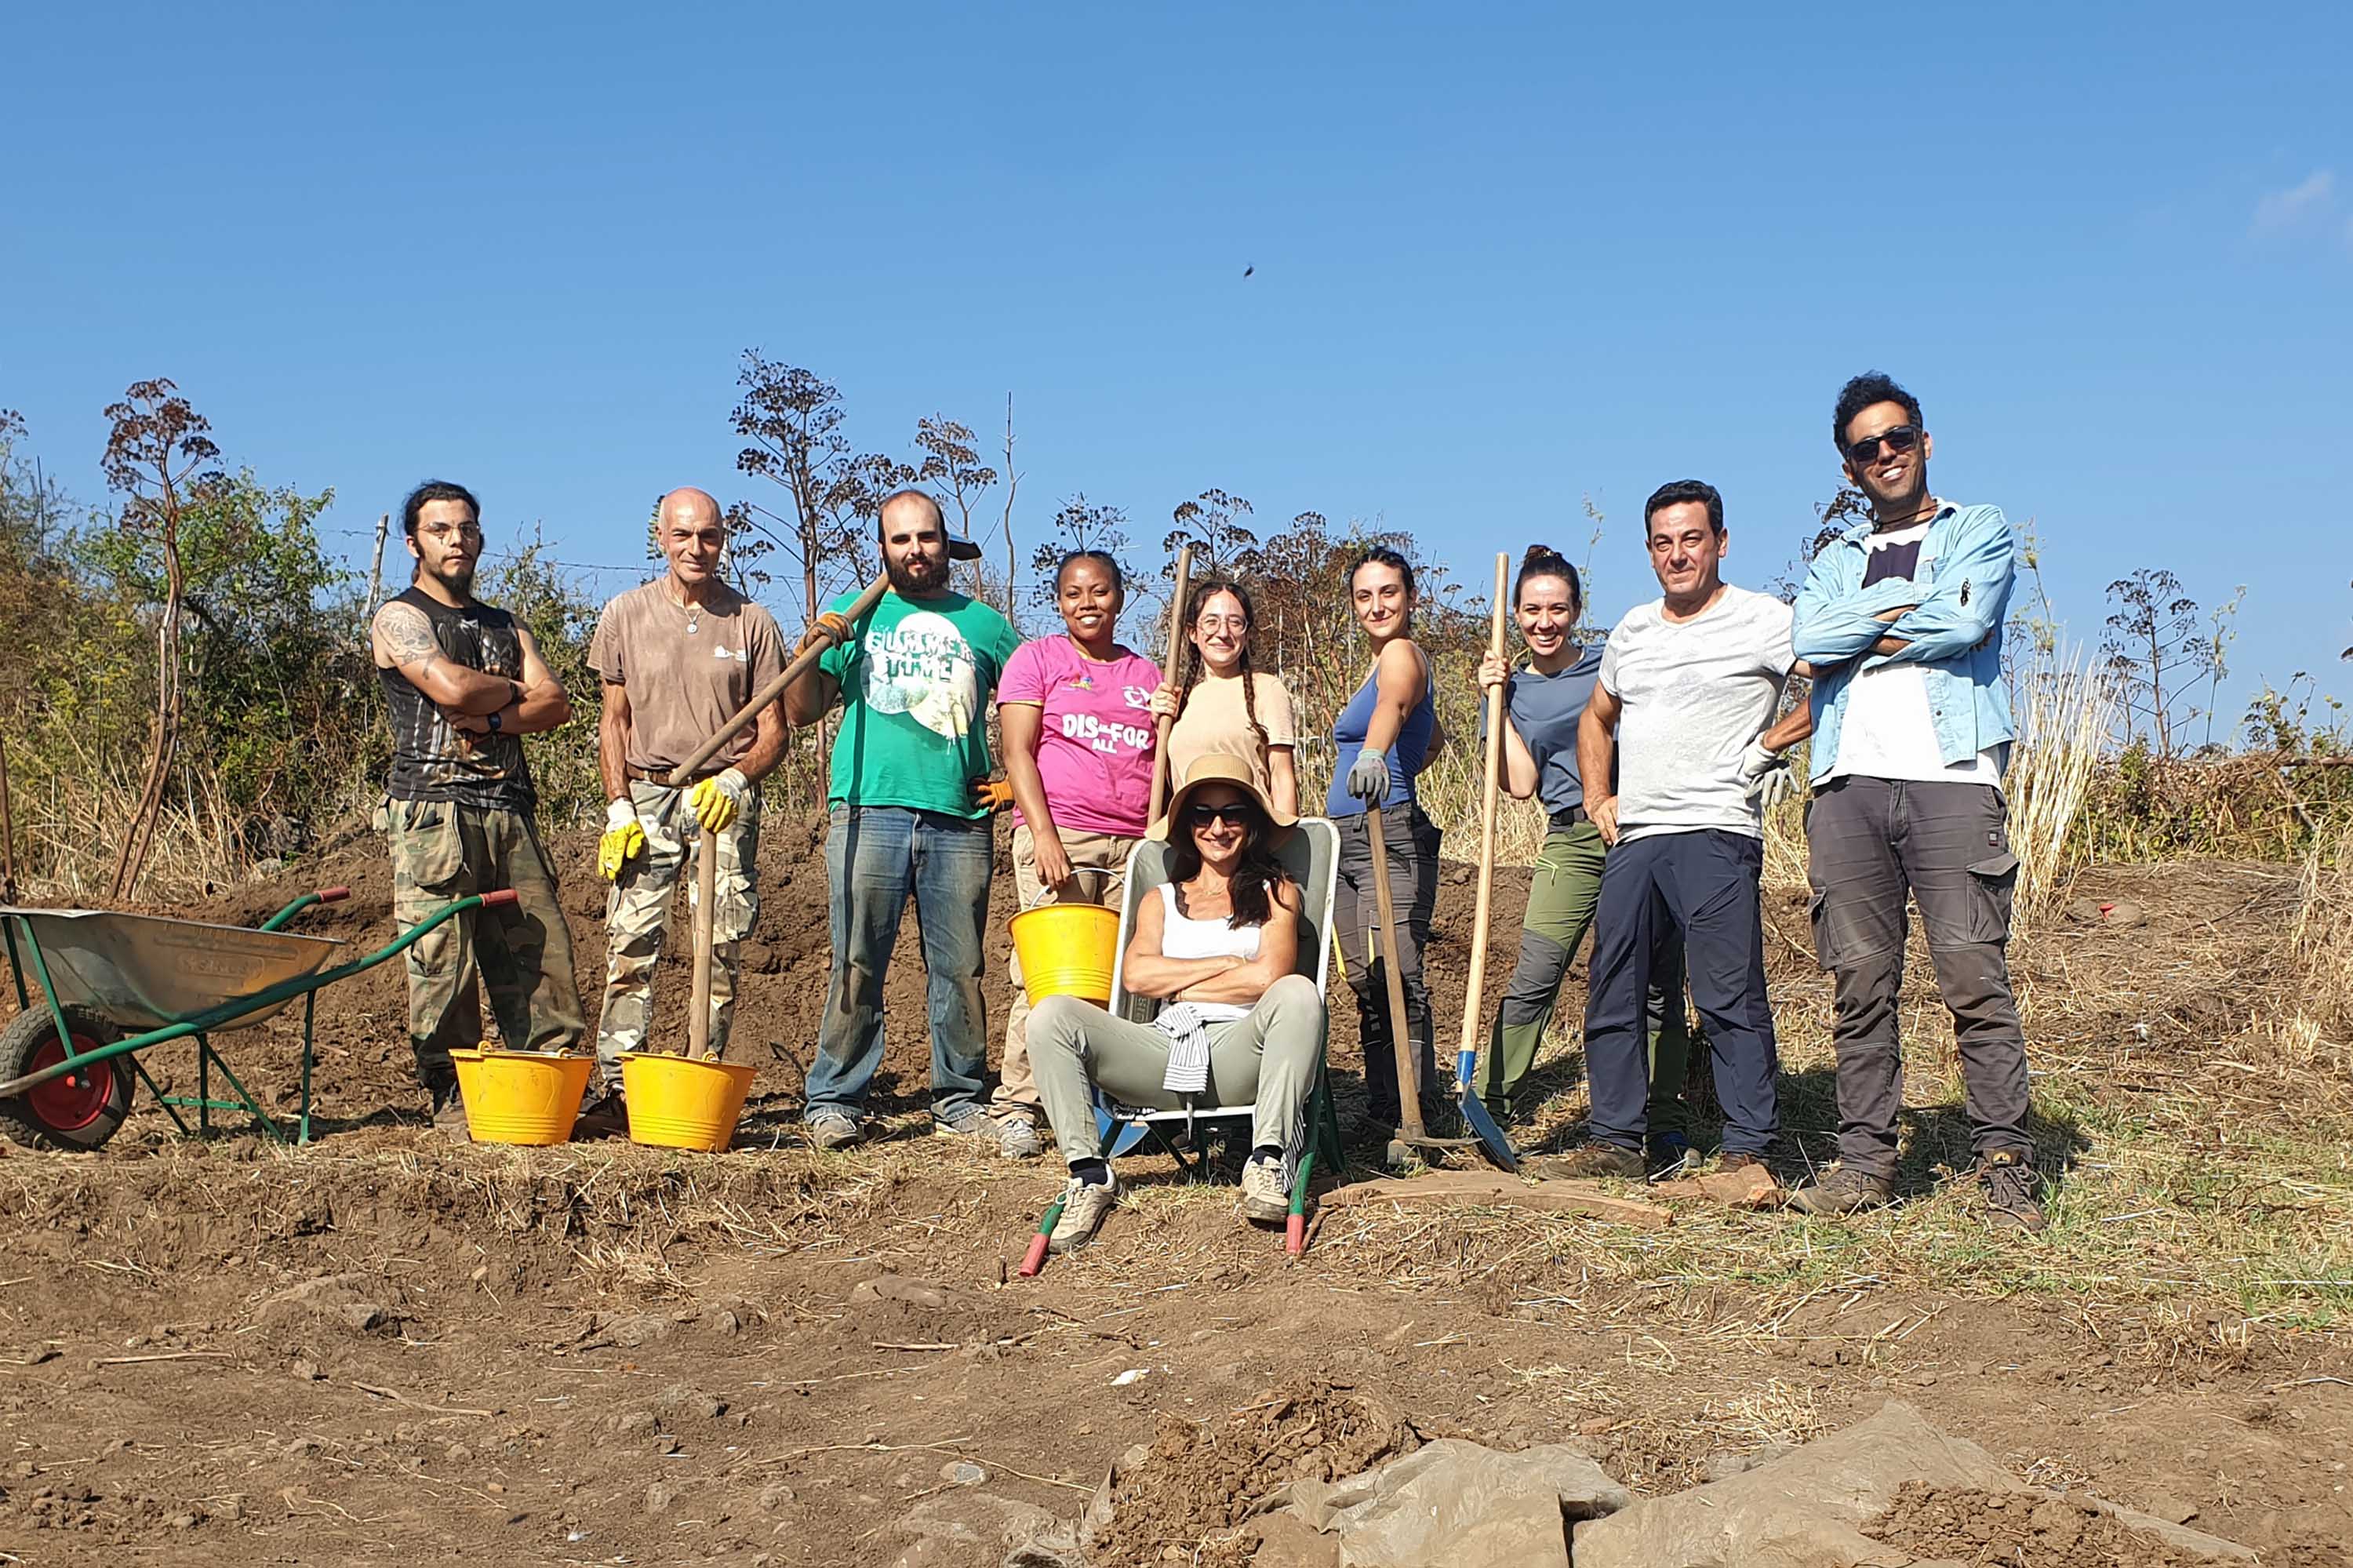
{"x": 78, "y": 1110}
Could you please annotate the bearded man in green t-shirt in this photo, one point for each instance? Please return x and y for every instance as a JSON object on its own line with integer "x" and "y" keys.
{"x": 914, "y": 678}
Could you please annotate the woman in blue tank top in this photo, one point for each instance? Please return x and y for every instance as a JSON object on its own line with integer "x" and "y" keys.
{"x": 1380, "y": 741}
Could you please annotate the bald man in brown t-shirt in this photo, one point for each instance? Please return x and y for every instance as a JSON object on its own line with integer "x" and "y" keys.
{"x": 679, "y": 658}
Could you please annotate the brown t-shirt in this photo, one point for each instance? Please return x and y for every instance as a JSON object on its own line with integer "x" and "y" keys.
{"x": 686, "y": 672}
{"x": 1215, "y": 723}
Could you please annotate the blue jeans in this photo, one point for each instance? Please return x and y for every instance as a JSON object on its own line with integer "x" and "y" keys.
{"x": 874, "y": 857}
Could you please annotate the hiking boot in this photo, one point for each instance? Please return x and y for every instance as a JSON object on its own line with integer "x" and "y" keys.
{"x": 831, "y": 1129}
{"x": 1597, "y": 1160}
{"x": 1734, "y": 1162}
{"x": 1843, "y": 1189}
{"x": 1670, "y": 1155}
{"x": 602, "y": 1114}
{"x": 972, "y": 1122}
{"x": 450, "y": 1115}
{"x": 1085, "y": 1205}
{"x": 1266, "y": 1190}
{"x": 1016, "y": 1137}
{"x": 2012, "y": 1189}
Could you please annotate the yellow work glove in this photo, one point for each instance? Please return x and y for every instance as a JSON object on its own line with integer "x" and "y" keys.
{"x": 623, "y": 841}
{"x": 716, "y": 802}
{"x": 831, "y": 626}
{"x": 991, "y": 795}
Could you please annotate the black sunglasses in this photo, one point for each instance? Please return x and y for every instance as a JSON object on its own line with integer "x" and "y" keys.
{"x": 1236, "y": 814}
{"x": 1901, "y": 437}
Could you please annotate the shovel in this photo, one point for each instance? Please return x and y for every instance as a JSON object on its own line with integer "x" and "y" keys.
{"x": 1410, "y": 1133}
{"x": 1492, "y": 1141}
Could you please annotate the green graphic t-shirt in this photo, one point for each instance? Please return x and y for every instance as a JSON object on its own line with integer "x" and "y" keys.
{"x": 915, "y": 679}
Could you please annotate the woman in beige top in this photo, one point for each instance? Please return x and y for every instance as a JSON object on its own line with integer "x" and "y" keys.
{"x": 1221, "y": 706}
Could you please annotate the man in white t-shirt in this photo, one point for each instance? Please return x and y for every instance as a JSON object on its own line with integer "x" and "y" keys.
{"x": 1683, "y": 717}
{"x": 1904, "y": 617}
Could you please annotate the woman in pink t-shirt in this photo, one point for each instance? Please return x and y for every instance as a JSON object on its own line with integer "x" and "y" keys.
{"x": 1076, "y": 710}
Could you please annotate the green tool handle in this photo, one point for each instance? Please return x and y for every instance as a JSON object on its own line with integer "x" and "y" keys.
{"x": 1295, "y": 1228}
{"x": 324, "y": 896}
{"x": 238, "y": 1007}
{"x": 1035, "y": 1258}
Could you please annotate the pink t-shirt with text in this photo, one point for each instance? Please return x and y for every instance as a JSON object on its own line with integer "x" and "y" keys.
{"x": 1094, "y": 746}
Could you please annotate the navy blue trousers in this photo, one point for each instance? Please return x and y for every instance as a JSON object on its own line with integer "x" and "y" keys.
{"x": 1702, "y": 883}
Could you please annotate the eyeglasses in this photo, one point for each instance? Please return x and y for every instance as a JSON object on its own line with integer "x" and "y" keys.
{"x": 1222, "y": 623}
{"x": 1901, "y": 438}
{"x": 1237, "y": 815}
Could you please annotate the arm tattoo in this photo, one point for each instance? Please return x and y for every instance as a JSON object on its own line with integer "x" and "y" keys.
{"x": 408, "y": 636}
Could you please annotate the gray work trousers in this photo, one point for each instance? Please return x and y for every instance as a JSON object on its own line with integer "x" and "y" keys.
{"x": 1267, "y": 1057}
{"x": 1870, "y": 840}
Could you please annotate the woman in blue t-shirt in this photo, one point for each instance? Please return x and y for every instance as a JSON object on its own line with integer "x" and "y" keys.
{"x": 1379, "y": 742}
{"x": 1543, "y": 706}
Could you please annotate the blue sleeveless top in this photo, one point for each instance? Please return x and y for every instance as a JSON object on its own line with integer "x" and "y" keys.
{"x": 1406, "y": 757}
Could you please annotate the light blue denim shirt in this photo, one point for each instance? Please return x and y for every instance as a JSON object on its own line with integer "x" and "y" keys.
{"x": 1954, "y": 629}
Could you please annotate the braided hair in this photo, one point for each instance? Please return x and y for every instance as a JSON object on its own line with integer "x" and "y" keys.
{"x": 1202, "y": 592}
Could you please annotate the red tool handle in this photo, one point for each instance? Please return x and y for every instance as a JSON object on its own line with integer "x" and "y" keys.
{"x": 501, "y": 898}
{"x": 334, "y": 894}
{"x": 1035, "y": 1258}
{"x": 1294, "y": 1236}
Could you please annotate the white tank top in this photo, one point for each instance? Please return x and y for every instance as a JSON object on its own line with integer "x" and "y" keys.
{"x": 1182, "y": 937}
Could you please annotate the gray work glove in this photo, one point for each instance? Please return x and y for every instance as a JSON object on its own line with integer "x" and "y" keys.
{"x": 1368, "y": 776}
{"x": 1765, "y": 776}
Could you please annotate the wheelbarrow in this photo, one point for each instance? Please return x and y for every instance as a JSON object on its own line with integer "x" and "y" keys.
{"x": 110, "y": 985}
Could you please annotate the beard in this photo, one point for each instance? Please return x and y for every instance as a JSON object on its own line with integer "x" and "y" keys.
{"x": 1897, "y": 504}
{"x": 918, "y": 578}
{"x": 456, "y": 576}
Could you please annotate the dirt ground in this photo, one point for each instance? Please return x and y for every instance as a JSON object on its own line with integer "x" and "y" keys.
{"x": 389, "y": 1348}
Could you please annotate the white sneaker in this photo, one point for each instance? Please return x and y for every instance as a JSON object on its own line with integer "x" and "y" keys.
{"x": 1084, "y": 1206}
{"x": 1266, "y": 1190}
{"x": 1016, "y": 1137}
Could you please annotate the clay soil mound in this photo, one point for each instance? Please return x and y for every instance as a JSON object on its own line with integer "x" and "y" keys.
{"x": 1196, "y": 1483}
{"x": 2017, "y": 1530}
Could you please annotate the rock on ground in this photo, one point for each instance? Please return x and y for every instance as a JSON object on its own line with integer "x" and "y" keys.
{"x": 1456, "y": 1502}
{"x": 1807, "y": 1510}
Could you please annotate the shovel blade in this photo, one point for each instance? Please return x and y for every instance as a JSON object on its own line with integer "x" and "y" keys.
{"x": 1492, "y": 1141}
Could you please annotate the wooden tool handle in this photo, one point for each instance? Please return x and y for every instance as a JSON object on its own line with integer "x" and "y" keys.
{"x": 706, "y": 886}
{"x": 1487, "y": 801}
{"x": 1400, "y": 1036}
{"x": 683, "y": 774}
{"x": 1160, "y": 779}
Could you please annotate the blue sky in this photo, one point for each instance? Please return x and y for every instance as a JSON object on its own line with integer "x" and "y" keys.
{"x": 1506, "y": 257}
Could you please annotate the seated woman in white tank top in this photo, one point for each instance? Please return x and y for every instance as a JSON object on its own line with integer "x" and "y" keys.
{"x": 1219, "y": 944}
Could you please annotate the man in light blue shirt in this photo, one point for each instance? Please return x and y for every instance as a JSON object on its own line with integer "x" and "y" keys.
{"x": 1901, "y": 619}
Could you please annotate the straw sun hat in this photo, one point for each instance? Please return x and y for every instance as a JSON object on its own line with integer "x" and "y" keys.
{"x": 1230, "y": 770}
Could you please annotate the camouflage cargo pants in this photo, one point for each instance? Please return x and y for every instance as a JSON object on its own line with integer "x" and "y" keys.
{"x": 522, "y": 954}
{"x": 639, "y": 910}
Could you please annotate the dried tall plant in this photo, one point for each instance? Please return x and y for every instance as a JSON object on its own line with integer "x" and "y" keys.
{"x": 152, "y": 457}
{"x": 2067, "y": 714}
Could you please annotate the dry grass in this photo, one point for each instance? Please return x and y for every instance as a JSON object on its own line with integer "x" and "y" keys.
{"x": 2318, "y": 1032}
{"x": 2068, "y": 716}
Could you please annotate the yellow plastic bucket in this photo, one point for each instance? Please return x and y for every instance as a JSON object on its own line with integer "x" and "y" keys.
{"x": 1066, "y": 950}
{"x": 680, "y": 1102}
{"x": 521, "y": 1096}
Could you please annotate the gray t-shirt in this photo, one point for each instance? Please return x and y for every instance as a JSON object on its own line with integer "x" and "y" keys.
{"x": 1694, "y": 695}
{"x": 1545, "y": 709}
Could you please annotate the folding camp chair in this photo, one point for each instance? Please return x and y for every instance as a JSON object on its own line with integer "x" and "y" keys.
{"x": 1311, "y": 853}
